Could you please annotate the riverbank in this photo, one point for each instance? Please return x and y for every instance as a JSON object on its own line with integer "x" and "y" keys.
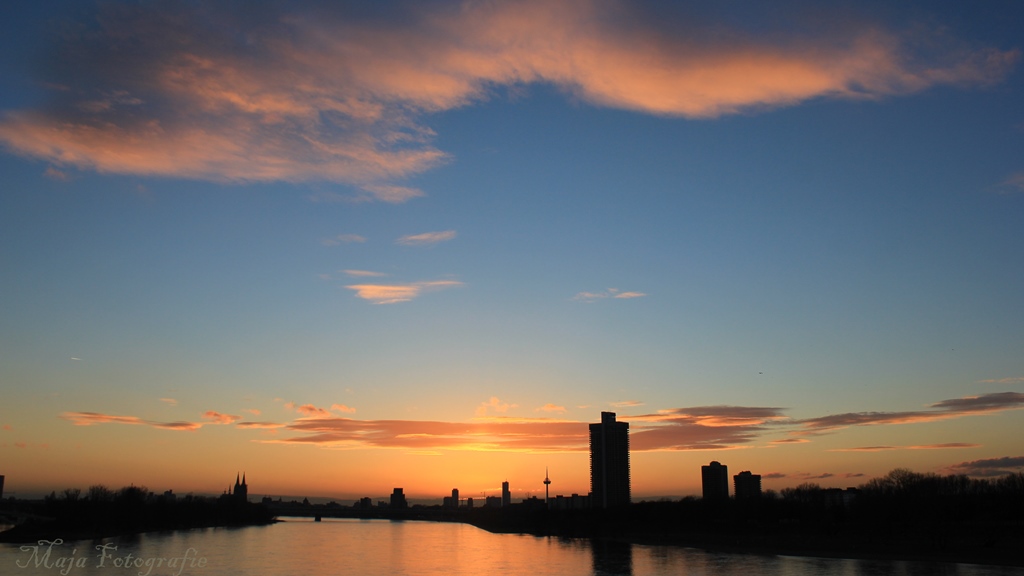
{"x": 948, "y": 542}
{"x": 70, "y": 521}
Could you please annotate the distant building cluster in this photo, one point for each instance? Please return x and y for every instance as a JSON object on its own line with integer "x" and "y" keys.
{"x": 714, "y": 479}
{"x": 609, "y": 478}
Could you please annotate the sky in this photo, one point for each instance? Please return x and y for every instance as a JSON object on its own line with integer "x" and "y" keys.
{"x": 347, "y": 247}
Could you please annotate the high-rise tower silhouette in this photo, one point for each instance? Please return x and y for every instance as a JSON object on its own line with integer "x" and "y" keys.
{"x": 547, "y": 487}
{"x": 609, "y": 462}
{"x": 715, "y": 481}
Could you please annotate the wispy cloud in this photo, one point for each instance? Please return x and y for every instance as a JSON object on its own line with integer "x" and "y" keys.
{"x": 93, "y": 418}
{"x": 55, "y": 174}
{"x": 343, "y": 239}
{"x": 626, "y": 404}
{"x": 392, "y": 194}
{"x": 426, "y": 238}
{"x": 720, "y": 427}
{"x": 702, "y": 427}
{"x": 1014, "y": 380}
{"x": 218, "y": 418}
{"x": 397, "y": 293}
{"x": 1014, "y": 183}
{"x": 333, "y": 94}
{"x": 170, "y": 401}
{"x": 989, "y": 467}
{"x": 492, "y": 435}
{"x": 363, "y": 273}
{"x": 804, "y": 476}
{"x": 313, "y": 411}
{"x": 495, "y": 405}
{"x": 944, "y": 410}
{"x": 260, "y": 425}
{"x": 946, "y": 446}
{"x": 609, "y": 293}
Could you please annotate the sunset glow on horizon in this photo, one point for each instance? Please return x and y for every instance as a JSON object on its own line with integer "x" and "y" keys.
{"x": 346, "y": 248}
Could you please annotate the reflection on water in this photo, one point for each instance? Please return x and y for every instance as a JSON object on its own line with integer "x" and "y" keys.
{"x": 611, "y": 558}
{"x": 379, "y": 547}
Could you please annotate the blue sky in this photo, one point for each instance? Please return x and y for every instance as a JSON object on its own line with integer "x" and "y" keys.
{"x": 460, "y": 212}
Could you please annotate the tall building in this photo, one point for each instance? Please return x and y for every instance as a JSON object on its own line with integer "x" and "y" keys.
{"x": 1, "y": 486}
{"x": 506, "y": 494}
{"x": 547, "y": 487}
{"x": 398, "y": 499}
{"x": 715, "y": 480}
{"x": 609, "y": 462}
{"x": 746, "y": 485}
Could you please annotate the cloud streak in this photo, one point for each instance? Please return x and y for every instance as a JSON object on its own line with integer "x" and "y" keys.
{"x": 720, "y": 427}
{"x": 426, "y": 238}
{"x": 327, "y": 94}
{"x": 944, "y": 410}
{"x": 990, "y": 467}
{"x": 946, "y": 446}
{"x": 397, "y": 293}
{"x": 609, "y": 293}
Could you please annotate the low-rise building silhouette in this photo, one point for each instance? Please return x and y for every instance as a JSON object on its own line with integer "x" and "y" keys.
{"x": 715, "y": 481}
{"x": 574, "y": 502}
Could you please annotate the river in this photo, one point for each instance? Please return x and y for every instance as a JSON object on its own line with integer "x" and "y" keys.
{"x": 300, "y": 547}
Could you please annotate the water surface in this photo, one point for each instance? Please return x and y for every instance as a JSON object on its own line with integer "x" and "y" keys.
{"x": 300, "y": 547}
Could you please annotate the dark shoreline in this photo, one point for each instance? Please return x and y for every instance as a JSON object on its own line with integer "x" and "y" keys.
{"x": 778, "y": 543}
{"x": 967, "y": 543}
{"x": 33, "y": 533}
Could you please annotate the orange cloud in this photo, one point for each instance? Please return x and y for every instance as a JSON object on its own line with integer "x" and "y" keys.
{"x": 509, "y": 433}
{"x": 93, "y": 418}
{"x": 266, "y": 425}
{"x": 90, "y": 418}
{"x": 551, "y": 408}
{"x": 313, "y": 411}
{"x": 494, "y": 404}
{"x": 396, "y": 293}
{"x": 342, "y": 408}
{"x": 325, "y": 95}
{"x": 218, "y": 418}
{"x": 921, "y": 447}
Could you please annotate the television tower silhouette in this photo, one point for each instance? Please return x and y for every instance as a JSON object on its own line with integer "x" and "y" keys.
{"x": 547, "y": 484}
